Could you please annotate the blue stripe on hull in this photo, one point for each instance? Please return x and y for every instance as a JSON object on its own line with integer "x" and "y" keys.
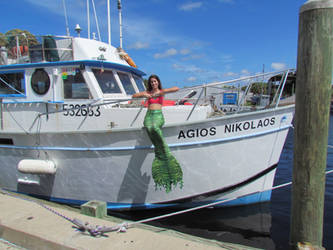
{"x": 245, "y": 200}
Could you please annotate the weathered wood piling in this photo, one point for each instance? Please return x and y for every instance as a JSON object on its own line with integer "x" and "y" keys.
{"x": 313, "y": 85}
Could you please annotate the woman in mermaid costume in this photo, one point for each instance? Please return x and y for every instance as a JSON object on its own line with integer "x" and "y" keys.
{"x": 166, "y": 170}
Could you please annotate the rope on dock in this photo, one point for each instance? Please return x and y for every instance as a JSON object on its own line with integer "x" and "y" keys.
{"x": 101, "y": 230}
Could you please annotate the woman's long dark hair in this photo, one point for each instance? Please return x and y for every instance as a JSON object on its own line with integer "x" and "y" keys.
{"x": 149, "y": 87}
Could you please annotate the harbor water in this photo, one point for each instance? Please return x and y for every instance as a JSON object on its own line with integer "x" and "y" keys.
{"x": 264, "y": 225}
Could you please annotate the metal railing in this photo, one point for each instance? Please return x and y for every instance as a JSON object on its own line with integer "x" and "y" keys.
{"x": 20, "y": 49}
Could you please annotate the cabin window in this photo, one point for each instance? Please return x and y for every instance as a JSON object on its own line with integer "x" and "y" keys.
{"x": 139, "y": 83}
{"x": 127, "y": 84}
{"x": 75, "y": 86}
{"x": 40, "y": 82}
{"x": 106, "y": 81}
{"x": 12, "y": 84}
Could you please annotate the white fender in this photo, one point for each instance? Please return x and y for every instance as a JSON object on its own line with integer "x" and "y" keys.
{"x": 31, "y": 166}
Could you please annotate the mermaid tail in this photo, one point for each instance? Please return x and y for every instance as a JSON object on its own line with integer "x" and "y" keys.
{"x": 167, "y": 173}
{"x": 166, "y": 170}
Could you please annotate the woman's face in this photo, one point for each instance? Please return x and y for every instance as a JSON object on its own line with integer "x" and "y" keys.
{"x": 154, "y": 83}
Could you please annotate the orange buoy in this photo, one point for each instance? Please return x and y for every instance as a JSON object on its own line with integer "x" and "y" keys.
{"x": 123, "y": 55}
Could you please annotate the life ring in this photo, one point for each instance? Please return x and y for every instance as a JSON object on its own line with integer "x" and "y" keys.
{"x": 23, "y": 50}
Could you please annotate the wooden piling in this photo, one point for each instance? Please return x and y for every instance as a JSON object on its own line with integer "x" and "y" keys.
{"x": 313, "y": 85}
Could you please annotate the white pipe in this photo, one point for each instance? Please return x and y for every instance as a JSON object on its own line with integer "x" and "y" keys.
{"x": 109, "y": 23}
{"x": 88, "y": 18}
{"x": 96, "y": 20}
{"x": 120, "y": 25}
{"x": 66, "y": 19}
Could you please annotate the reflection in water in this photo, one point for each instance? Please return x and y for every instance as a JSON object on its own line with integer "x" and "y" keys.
{"x": 246, "y": 225}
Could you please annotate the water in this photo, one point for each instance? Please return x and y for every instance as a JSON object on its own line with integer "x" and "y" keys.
{"x": 264, "y": 225}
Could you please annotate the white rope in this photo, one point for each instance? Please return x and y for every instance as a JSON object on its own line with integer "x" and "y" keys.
{"x": 99, "y": 231}
{"x": 211, "y": 204}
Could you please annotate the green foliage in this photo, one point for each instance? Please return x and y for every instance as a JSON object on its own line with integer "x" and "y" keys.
{"x": 11, "y": 40}
{"x": 3, "y": 40}
{"x": 259, "y": 88}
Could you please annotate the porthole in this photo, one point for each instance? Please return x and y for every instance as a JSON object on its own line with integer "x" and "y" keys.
{"x": 40, "y": 82}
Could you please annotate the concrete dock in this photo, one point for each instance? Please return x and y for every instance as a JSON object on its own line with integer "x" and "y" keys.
{"x": 25, "y": 224}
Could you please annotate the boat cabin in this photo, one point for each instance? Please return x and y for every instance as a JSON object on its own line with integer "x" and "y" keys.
{"x": 53, "y": 69}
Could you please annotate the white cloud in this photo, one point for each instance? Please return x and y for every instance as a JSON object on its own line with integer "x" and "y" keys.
{"x": 190, "y": 6}
{"x": 187, "y": 68}
{"x": 245, "y": 72}
{"x": 139, "y": 45}
{"x": 278, "y": 66}
{"x": 227, "y": 1}
{"x": 191, "y": 79}
{"x": 227, "y": 59}
{"x": 185, "y": 51}
{"x": 167, "y": 53}
{"x": 230, "y": 74}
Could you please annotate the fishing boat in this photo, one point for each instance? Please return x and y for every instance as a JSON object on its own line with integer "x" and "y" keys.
{"x": 70, "y": 131}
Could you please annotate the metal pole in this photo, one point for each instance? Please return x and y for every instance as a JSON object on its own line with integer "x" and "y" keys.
{"x": 109, "y": 23}
{"x": 313, "y": 85}
{"x": 120, "y": 25}
{"x": 88, "y": 18}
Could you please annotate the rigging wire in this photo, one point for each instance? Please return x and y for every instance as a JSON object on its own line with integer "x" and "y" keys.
{"x": 96, "y": 20}
{"x": 66, "y": 18}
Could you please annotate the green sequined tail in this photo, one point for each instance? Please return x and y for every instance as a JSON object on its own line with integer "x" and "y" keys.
{"x": 166, "y": 170}
{"x": 167, "y": 173}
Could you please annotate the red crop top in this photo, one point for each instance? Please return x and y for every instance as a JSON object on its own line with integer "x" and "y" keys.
{"x": 158, "y": 100}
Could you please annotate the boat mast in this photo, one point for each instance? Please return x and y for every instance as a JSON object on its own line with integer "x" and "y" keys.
{"x": 66, "y": 19}
{"x": 88, "y": 18}
{"x": 120, "y": 25}
{"x": 109, "y": 22}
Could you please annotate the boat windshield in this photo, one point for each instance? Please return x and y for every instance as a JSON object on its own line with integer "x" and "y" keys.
{"x": 107, "y": 81}
{"x": 127, "y": 84}
{"x": 75, "y": 86}
{"x": 139, "y": 83}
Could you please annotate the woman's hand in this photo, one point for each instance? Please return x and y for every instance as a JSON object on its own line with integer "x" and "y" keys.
{"x": 147, "y": 95}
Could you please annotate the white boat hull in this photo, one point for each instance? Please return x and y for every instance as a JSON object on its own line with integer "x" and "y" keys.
{"x": 219, "y": 158}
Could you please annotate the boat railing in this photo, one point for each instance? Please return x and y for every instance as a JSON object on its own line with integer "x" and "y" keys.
{"x": 23, "y": 48}
{"x": 245, "y": 94}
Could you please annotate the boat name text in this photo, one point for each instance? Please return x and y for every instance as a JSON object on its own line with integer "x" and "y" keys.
{"x": 228, "y": 128}
{"x": 191, "y": 133}
{"x": 80, "y": 110}
{"x": 241, "y": 126}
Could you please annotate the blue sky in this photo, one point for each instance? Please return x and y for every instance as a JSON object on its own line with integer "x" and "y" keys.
{"x": 184, "y": 42}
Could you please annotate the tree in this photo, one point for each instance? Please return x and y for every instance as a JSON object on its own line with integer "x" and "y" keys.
{"x": 259, "y": 88}
{"x": 24, "y": 36}
{"x": 3, "y": 40}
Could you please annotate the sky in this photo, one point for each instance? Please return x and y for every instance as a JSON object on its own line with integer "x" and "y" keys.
{"x": 185, "y": 42}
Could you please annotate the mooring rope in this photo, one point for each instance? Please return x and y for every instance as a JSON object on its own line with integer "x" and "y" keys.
{"x": 101, "y": 230}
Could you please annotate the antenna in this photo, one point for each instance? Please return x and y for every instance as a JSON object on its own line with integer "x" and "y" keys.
{"x": 120, "y": 25}
{"x": 96, "y": 20}
{"x": 88, "y": 18}
{"x": 109, "y": 23}
{"x": 66, "y": 19}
